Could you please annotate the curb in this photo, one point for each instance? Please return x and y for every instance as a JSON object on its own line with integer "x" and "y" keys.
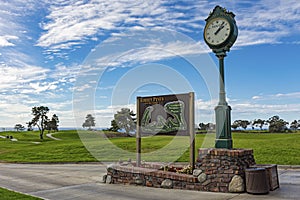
{"x": 54, "y": 163}
{"x": 283, "y": 167}
{"x": 288, "y": 166}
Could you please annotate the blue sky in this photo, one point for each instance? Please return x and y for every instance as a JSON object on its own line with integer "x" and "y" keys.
{"x": 79, "y": 57}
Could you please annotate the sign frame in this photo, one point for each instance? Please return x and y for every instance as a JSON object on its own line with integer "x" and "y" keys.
{"x": 181, "y": 104}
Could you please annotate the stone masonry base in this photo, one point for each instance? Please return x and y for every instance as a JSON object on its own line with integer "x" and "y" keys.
{"x": 216, "y": 170}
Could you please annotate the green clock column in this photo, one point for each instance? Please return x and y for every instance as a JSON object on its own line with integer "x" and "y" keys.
{"x": 223, "y": 111}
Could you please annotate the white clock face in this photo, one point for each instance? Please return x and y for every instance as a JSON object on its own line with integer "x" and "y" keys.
{"x": 217, "y": 31}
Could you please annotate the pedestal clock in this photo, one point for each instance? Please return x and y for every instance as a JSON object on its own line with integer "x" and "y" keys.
{"x": 220, "y": 33}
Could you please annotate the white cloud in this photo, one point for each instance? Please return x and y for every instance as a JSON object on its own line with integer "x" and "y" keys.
{"x": 251, "y": 109}
{"x": 63, "y": 72}
{"x": 82, "y": 88}
{"x": 41, "y": 87}
{"x": 256, "y": 97}
{"x": 263, "y": 23}
{"x": 5, "y": 40}
{"x": 151, "y": 52}
{"x": 13, "y": 14}
{"x": 19, "y": 78}
{"x": 279, "y": 96}
{"x": 76, "y": 21}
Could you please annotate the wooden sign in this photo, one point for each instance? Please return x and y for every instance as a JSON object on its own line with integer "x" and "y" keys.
{"x": 164, "y": 114}
{"x": 167, "y": 114}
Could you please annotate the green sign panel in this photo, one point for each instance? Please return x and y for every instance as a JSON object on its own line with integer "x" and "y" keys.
{"x": 164, "y": 114}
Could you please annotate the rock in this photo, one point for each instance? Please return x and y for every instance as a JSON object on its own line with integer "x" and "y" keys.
{"x": 124, "y": 163}
{"x": 111, "y": 167}
{"x": 130, "y": 165}
{"x": 104, "y": 178}
{"x": 167, "y": 183}
{"x": 108, "y": 179}
{"x": 197, "y": 172}
{"x": 202, "y": 177}
{"x": 138, "y": 180}
{"x": 236, "y": 184}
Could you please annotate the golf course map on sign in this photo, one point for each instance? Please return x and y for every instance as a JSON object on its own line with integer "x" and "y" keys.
{"x": 163, "y": 114}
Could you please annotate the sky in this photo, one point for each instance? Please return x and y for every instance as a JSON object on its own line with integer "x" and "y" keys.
{"x": 94, "y": 56}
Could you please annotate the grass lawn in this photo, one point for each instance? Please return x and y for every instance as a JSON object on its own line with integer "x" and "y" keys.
{"x": 8, "y": 194}
{"x": 268, "y": 148}
{"x": 29, "y": 148}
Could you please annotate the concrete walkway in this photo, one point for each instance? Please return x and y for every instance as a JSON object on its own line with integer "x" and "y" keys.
{"x": 50, "y": 135}
{"x": 83, "y": 181}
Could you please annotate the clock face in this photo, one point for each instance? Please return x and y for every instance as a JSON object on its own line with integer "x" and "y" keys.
{"x": 217, "y": 31}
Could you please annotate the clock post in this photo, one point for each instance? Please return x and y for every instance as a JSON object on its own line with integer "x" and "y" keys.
{"x": 220, "y": 33}
{"x": 223, "y": 112}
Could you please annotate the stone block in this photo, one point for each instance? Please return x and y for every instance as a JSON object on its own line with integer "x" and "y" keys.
{"x": 236, "y": 185}
{"x": 202, "y": 177}
{"x": 138, "y": 180}
{"x": 167, "y": 183}
{"x": 104, "y": 178}
{"x": 108, "y": 179}
{"x": 197, "y": 172}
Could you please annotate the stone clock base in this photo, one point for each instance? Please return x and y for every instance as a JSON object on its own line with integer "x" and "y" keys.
{"x": 225, "y": 168}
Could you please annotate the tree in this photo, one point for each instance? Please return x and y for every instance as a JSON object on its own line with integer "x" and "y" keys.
{"x": 89, "y": 122}
{"x": 29, "y": 126}
{"x": 125, "y": 120}
{"x": 244, "y": 124}
{"x": 52, "y": 124}
{"x": 209, "y": 127}
{"x": 114, "y": 126}
{"x": 259, "y": 123}
{"x": 19, "y": 127}
{"x": 295, "y": 125}
{"x": 40, "y": 119}
{"x": 240, "y": 123}
{"x": 203, "y": 126}
{"x": 277, "y": 125}
{"x": 235, "y": 124}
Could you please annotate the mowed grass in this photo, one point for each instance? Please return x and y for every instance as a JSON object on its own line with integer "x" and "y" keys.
{"x": 87, "y": 146}
{"x": 276, "y": 148}
{"x": 11, "y": 195}
{"x": 29, "y": 148}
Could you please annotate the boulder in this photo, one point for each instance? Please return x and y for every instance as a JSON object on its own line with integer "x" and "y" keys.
{"x": 236, "y": 185}
{"x": 138, "y": 180}
{"x": 104, "y": 178}
{"x": 111, "y": 167}
{"x": 108, "y": 179}
{"x": 197, "y": 172}
{"x": 167, "y": 183}
{"x": 202, "y": 177}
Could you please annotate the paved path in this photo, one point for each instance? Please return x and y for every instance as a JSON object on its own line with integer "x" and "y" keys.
{"x": 83, "y": 181}
{"x": 50, "y": 135}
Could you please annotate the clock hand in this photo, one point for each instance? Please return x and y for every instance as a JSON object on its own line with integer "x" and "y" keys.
{"x": 220, "y": 28}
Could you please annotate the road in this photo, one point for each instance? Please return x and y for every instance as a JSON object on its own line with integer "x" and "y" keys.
{"x": 83, "y": 181}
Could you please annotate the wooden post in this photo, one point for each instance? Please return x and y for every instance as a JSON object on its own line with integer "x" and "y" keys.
{"x": 192, "y": 129}
{"x": 138, "y": 134}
